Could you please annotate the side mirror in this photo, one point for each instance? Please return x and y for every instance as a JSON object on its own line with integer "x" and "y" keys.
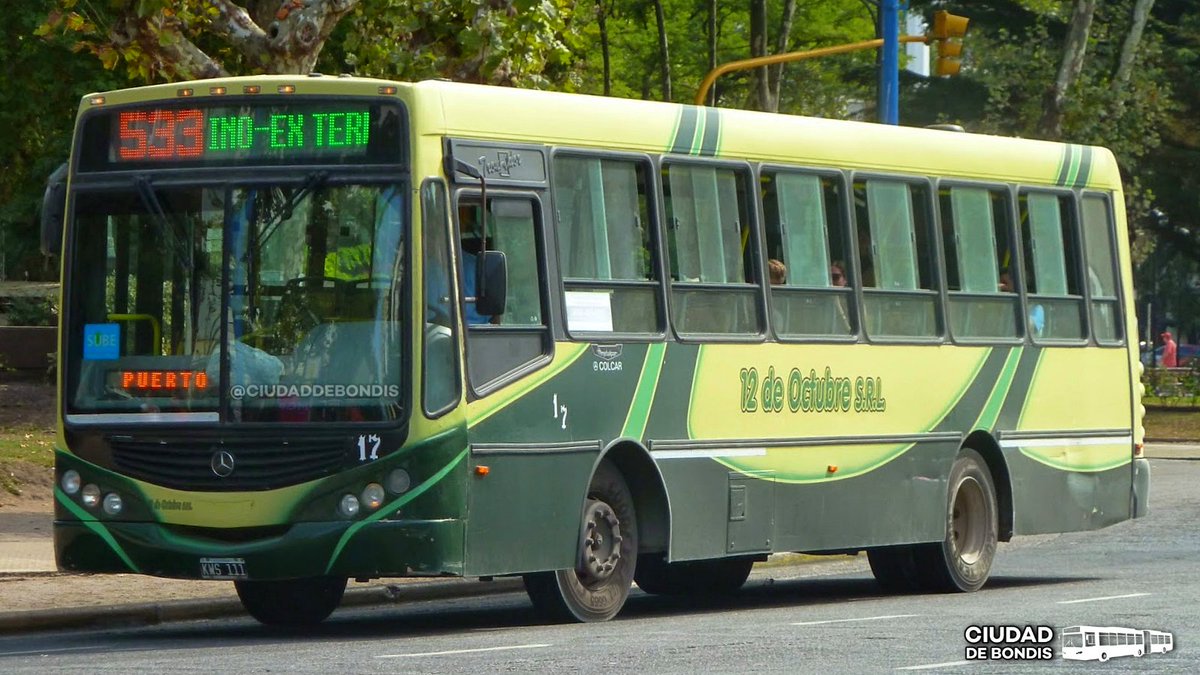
{"x": 493, "y": 270}
{"x": 54, "y": 210}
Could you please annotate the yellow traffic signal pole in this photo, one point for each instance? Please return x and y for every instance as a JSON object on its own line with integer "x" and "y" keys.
{"x": 948, "y": 30}
{"x": 757, "y": 62}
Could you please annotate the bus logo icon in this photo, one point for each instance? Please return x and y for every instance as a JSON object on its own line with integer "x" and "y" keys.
{"x": 1101, "y": 643}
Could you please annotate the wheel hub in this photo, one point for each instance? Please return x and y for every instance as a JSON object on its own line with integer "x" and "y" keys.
{"x": 601, "y": 548}
{"x": 968, "y": 522}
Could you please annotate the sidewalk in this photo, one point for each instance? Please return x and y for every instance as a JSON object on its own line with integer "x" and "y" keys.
{"x": 29, "y": 558}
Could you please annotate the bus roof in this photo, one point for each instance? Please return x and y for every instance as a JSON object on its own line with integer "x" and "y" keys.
{"x": 442, "y": 108}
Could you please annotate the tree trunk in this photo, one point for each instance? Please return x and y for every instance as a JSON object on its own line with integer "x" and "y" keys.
{"x": 781, "y": 46}
{"x": 663, "y": 51}
{"x": 712, "y": 48}
{"x": 1074, "y": 50}
{"x": 1141, "y": 12}
{"x": 601, "y": 15}
{"x": 758, "y": 47}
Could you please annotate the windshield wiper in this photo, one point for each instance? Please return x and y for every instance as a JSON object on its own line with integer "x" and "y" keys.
{"x": 312, "y": 182}
{"x": 166, "y": 226}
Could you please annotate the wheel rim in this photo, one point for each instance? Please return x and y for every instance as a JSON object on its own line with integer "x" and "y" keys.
{"x": 968, "y": 521}
{"x": 600, "y": 551}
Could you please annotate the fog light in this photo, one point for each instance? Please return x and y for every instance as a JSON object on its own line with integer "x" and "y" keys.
{"x": 372, "y": 496}
{"x": 349, "y": 506}
{"x": 91, "y": 496}
{"x": 70, "y": 481}
{"x": 398, "y": 482}
{"x": 113, "y": 503}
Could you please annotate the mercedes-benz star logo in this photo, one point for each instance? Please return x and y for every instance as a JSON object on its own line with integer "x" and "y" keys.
{"x": 222, "y": 463}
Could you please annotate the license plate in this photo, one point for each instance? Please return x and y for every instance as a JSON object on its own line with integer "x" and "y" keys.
{"x": 223, "y": 568}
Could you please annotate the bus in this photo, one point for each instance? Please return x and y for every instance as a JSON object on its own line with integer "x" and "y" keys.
{"x": 326, "y": 328}
{"x": 1091, "y": 643}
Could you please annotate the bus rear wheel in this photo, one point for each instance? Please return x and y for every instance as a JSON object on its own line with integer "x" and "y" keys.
{"x": 963, "y": 560}
{"x": 597, "y": 587}
{"x": 293, "y": 602}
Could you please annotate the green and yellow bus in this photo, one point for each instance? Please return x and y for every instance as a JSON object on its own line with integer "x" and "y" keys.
{"x": 328, "y": 328}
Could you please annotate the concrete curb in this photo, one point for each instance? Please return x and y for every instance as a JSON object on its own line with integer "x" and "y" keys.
{"x": 147, "y": 614}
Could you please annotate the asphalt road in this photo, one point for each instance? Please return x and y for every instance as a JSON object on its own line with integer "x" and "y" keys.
{"x": 810, "y": 618}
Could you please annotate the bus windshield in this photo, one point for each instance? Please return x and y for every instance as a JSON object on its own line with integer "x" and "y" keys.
{"x": 254, "y": 303}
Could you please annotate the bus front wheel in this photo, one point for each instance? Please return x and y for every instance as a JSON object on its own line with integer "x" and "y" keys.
{"x": 293, "y": 602}
{"x": 963, "y": 560}
{"x": 597, "y": 587}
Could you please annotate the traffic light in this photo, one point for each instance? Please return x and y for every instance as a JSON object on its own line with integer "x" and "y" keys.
{"x": 948, "y": 30}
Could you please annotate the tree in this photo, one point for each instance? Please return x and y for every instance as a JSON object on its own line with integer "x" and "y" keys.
{"x": 43, "y": 84}
{"x": 1072, "y": 64}
{"x": 188, "y": 39}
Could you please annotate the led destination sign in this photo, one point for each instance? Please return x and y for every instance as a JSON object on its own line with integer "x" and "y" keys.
{"x": 193, "y": 133}
{"x": 260, "y": 134}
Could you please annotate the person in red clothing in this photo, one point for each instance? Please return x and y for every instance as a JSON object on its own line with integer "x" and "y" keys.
{"x": 1169, "y": 358}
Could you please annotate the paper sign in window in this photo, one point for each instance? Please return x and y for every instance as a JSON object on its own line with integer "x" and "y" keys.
{"x": 589, "y": 311}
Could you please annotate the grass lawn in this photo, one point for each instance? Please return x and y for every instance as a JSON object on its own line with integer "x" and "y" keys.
{"x": 22, "y": 445}
{"x": 1172, "y": 423}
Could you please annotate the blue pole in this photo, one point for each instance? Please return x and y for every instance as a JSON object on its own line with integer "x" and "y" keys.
{"x": 889, "y": 63}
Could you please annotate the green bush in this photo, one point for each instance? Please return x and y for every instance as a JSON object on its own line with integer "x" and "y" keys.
{"x": 32, "y": 312}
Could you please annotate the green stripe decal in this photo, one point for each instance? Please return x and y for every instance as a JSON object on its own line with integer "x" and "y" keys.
{"x": 1068, "y": 159}
{"x": 95, "y": 526}
{"x": 1085, "y": 166}
{"x": 991, "y": 409}
{"x": 712, "y": 133}
{"x": 698, "y": 138}
{"x": 1073, "y": 171}
{"x": 643, "y": 395}
{"x": 393, "y": 507}
{"x": 685, "y": 131}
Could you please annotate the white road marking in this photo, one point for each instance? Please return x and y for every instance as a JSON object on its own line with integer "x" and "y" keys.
{"x": 865, "y": 618}
{"x": 461, "y": 651}
{"x": 931, "y": 666}
{"x": 1107, "y": 597}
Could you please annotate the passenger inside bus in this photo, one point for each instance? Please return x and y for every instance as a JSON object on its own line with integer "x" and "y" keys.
{"x": 777, "y": 272}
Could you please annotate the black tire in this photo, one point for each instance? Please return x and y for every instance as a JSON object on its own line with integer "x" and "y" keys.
{"x": 894, "y": 568}
{"x": 596, "y": 589}
{"x": 292, "y": 603}
{"x": 699, "y": 577}
{"x": 963, "y": 560}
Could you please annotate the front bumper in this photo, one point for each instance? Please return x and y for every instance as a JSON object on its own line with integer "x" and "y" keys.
{"x": 385, "y": 548}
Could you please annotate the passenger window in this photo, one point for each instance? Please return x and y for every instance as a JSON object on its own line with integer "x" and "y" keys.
{"x": 1048, "y": 228}
{"x": 439, "y": 385}
{"x": 1098, "y": 241}
{"x": 711, "y": 250}
{"x": 805, "y": 228}
{"x": 605, "y": 245}
{"x": 977, "y": 238}
{"x": 896, "y": 258}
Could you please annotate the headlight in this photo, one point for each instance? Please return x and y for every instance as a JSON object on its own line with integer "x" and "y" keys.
{"x": 398, "y": 482}
{"x": 113, "y": 503}
{"x": 90, "y": 496}
{"x": 348, "y": 506}
{"x": 372, "y": 496}
{"x": 70, "y": 481}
